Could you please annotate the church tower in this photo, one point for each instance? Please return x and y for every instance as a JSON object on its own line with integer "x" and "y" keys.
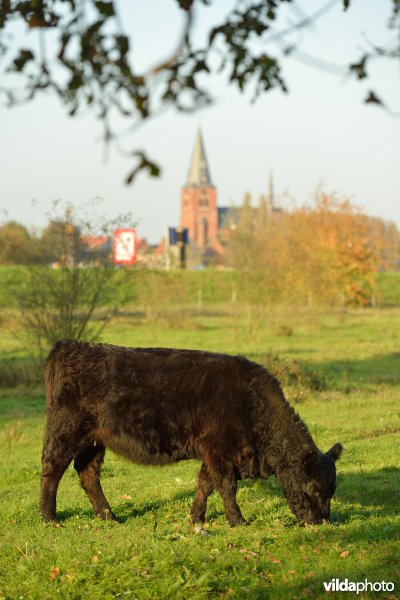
{"x": 199, "y": 212}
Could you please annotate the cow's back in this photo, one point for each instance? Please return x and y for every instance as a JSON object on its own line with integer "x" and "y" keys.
{"x": 153, "y": 405}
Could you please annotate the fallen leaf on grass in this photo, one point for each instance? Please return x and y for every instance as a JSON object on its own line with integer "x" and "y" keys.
{"x": 275, "y": 560}
{"x": 344, "y": 554}
{"x": 247, "y": 553}
{"x": 200, "y": 530}
{"x": 95, "y": 559}
{"x": 307, "y": 592}
{"x": 126, "y": 497}
{"x": 54, "y": 573}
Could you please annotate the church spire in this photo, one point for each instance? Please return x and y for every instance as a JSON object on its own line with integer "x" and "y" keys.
{"x": 271, "y": 189}
{"x": 199, "y": 173}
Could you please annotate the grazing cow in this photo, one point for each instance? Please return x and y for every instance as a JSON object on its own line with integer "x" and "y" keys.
{"x": 157, "y": 406}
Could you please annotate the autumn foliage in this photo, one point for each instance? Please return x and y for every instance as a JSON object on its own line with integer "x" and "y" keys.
{"x": 329, "y": 252}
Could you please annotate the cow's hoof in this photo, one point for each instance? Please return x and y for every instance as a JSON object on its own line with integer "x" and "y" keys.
{"x": 51, "y": 519}
{"x": 237, "y": 521}
{"x": 107, "y": 515}
{"x": 198, "y": 518}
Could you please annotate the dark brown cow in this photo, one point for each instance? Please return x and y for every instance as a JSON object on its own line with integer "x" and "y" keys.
{"x": 156, "y": 406}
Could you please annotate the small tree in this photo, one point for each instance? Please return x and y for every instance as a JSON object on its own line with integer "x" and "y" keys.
{"x": 77, "y": 299}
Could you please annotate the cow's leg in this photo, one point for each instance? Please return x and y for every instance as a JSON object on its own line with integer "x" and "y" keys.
{"x": 56, "y": 457}
{"x": 88, "y": 464}
{"x": 205, "y": 487}
{"x": 225, "y": 481}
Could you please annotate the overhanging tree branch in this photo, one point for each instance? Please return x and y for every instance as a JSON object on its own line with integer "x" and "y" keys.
{"x": 89, "y": 67}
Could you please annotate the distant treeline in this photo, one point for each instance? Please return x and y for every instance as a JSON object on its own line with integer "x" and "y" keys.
{"x": 18, "y": 246}
{"x": 325, "y": 254}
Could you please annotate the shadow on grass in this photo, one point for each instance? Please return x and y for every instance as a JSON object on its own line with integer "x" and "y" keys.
{"x": 360, "y": 495}
{"x": 348, "y": 374}
{"x": 126, "y": 510}
{"x": 378, "y": 369}
{"x": 372, "y": 493}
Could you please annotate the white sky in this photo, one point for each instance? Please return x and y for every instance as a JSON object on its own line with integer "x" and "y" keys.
{"x": 320, "y": 132}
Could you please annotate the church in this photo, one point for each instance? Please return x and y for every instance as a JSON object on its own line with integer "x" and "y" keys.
{"x": 206, "y": 222}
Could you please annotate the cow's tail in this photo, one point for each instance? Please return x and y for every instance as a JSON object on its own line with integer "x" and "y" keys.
{"x": 55, "y": 370}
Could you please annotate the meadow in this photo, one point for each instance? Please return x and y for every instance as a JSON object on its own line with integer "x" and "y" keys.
{"x": 340, "y": 369}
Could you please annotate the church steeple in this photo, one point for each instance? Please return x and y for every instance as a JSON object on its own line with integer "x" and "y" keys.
{"x": 271, "y": 189}
{"x": 199, "y": 210}
{"x": 199, "y": 173}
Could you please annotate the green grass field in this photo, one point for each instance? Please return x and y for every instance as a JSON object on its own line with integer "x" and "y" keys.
{"x": 155, "y": 552}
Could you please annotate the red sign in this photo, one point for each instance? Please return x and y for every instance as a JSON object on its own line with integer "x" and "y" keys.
{"x": 125, "y": 246}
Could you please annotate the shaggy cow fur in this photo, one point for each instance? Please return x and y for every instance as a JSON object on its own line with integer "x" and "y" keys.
{"x": 156, "y": 406}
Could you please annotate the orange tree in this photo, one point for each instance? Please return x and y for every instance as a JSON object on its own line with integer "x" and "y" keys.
{"x": 328, "y": 252}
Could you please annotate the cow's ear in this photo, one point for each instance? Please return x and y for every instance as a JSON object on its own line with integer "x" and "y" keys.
{"x": 310, "y": 460}
{"x": 335, "y": 452}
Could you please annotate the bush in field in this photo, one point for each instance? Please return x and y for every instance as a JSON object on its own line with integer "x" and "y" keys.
{"x": 294, "y": 377}
{"x": 61, "y": 303}
{"x": 77, "y": 299}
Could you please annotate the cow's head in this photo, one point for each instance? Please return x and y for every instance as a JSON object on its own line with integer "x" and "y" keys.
{"x": 309, "y": 493}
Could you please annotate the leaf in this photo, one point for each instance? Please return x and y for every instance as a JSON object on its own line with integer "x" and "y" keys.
{"x": 360, "y": 68}
{"x": 248, "y": 553}
{"x": 345, "y": 554}
{"x": 36, "y": 21}
{"x": 372, "y": 98}
{"x": 144, "y": 163}
{"x": 54, "y": 573}
{"x": 185, "y": 4}
{"x": 20, "y": 61}
{"x": 275, "y": 560}
{"x": 105, "y": 8}
{"x": 122, "y": 43}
